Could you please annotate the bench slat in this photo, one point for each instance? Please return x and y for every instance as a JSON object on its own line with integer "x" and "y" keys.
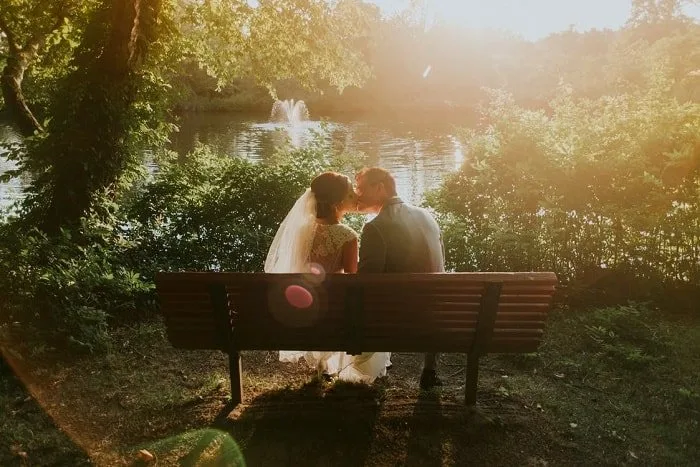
{"x": 388, "y": 332}
{"x": 241, "y": 278}
{"x": 254, "y": 321}
{"x": 464, "y": 324}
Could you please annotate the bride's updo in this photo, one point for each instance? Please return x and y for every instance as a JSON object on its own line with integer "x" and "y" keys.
{"x": 330, "y": 189}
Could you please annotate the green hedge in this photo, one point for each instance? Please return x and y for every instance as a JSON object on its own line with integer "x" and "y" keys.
{"x": 603, "y": 192}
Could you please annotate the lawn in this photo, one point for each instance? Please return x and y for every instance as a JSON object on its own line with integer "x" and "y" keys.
{"x": 608, "y": 387}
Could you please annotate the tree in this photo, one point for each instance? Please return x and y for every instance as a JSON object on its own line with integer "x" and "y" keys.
{"x": 657, "y": 11}
{"x": 310, "y": 40}
{"x": 102, "y": 115}
{"x": 29, "y": 28}
{"x": 87, "y": 146}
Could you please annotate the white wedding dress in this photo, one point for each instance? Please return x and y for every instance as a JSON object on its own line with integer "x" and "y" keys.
{"x": 300, "y": 243}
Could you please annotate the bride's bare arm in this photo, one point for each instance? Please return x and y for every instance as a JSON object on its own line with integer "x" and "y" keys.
{"x": 350, "y": 256}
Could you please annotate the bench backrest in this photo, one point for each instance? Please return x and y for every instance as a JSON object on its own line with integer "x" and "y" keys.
{"x": 356, "y": 312}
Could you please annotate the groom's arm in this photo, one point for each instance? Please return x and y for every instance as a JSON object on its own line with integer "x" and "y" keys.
{"x": 372, "y": 250}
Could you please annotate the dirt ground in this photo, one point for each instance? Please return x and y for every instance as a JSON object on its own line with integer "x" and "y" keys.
{"x": 537, "y": 410}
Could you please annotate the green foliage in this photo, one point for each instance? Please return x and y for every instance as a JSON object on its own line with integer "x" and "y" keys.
{"x": 63, "y": 292}
{"x": 108, "y": 106}
{"x": 106, "y": 111}
{"x": 657, "y": 11}
{"x": 39, "y": 39}
{"x": 310, "y": 41}
{"x": 215, "y": 212}
{"x": 462, "y": 62}
{"x": 23, "y": 20}
{"x": 631, "y": 335}
{"x": 598, "y": 191}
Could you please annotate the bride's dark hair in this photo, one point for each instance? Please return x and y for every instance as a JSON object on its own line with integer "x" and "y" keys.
{"x": 329, "y": 188}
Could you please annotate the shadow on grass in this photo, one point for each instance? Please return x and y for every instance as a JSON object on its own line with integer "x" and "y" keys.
{"x": 316, "y": 424}
{"x": 202, "y": 447}
{"x": 439, "y": 430}
{"x": 426, "y": 435}
{"x": 28, "y": 436}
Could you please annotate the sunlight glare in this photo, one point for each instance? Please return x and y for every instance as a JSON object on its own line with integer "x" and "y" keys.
{"x": 531, "y": 19}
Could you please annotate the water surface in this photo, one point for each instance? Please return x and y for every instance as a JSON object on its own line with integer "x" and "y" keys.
{"x": 418, "y": 149}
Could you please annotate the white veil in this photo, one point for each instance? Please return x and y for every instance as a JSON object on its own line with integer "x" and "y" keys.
{"x": 290, "y": 250}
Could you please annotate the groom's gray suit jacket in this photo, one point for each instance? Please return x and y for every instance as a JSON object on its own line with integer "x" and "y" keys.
{"x": 401, "y": 238}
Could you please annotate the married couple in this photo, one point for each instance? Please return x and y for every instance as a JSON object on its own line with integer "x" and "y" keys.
{"x": 400, "y": 239}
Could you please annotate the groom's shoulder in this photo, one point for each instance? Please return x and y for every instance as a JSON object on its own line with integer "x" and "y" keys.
{"x": 398, "y": 213}
{"x": 423, "y": 216}
{"x": 376, "y": 223}
{"x": 417, "y": 210}
{"x": 373, "y": 222}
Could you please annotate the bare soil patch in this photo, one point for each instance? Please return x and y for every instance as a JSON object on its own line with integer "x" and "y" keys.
{"x": 569, "y": 404}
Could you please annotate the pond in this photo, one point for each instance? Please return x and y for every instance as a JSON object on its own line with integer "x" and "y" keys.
{"x": 12, "y": 190}
{"x": 419, "y": 149}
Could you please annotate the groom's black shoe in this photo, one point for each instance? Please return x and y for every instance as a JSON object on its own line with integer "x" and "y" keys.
{"x": 429, "y": 379}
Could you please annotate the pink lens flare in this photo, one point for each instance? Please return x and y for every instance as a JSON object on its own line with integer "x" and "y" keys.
{"x": 316, "y": 273}
{"x": 298, "y": 296}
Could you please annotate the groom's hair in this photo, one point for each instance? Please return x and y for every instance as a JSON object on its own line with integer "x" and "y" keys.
{"x": 375, "y": 175}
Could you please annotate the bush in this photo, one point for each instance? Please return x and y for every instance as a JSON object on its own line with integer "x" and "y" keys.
{"x": 66, "y": 292}
{"x": 210, "y": 212}
{"x": 605, "y": 193}
{"x": 630, "y": 334}
{"x": 206, "y": 212}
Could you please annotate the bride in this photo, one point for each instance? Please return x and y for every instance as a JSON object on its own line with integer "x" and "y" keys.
{"x": 312, "y": 236}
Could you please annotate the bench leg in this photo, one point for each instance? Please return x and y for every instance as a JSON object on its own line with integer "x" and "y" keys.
{"x": 471, "y": 379}
{"x": 234, "y": 368}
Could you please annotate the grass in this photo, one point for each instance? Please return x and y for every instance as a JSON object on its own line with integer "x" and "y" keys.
{"x": 623, "y": 380}
{"x": 28, "y": 436}
{"x": 607, "y": 387}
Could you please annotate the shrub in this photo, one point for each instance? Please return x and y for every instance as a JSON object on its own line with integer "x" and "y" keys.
{"x": 206, "y": 212}
{"x": 213, "y": 212}
{"x": 65, "y": 292}
{"x": 605, "y": 193}
{"x": 630, "y": 334}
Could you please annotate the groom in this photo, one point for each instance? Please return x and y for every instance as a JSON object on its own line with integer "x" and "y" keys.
{"x": 401, "y": 238}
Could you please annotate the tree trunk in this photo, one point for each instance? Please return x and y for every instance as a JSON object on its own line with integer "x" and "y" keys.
{"x": 11, "y": 83}
{"x": 87, "y": 147}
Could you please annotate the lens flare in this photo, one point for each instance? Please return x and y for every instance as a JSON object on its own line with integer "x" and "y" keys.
{"x": 298, "y": 296}
{"x": 316, "y": 274}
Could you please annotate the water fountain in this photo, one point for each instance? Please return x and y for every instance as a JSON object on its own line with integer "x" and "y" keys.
{"x": 289, "y": 111}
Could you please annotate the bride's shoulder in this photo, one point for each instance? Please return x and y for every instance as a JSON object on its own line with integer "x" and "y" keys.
{"x": 347, "y": 231}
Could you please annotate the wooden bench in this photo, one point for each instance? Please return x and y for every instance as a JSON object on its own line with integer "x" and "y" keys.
{"x": 472, "y": 313}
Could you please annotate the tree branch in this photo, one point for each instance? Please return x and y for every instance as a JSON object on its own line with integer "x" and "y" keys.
{"x": 14, "y": 48}
{"x": 35, "y": 40}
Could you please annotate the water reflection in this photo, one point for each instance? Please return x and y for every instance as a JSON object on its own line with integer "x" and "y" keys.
{"x": 418, "y": 153}
{"x": 10, "y": 191}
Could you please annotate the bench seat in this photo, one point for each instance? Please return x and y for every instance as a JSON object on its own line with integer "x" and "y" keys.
{"x": 473, "y": 313}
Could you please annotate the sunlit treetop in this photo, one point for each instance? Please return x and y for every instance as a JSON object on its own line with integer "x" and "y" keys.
{"x": 312, "y": 41}
{"x": 536, "y": 19}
